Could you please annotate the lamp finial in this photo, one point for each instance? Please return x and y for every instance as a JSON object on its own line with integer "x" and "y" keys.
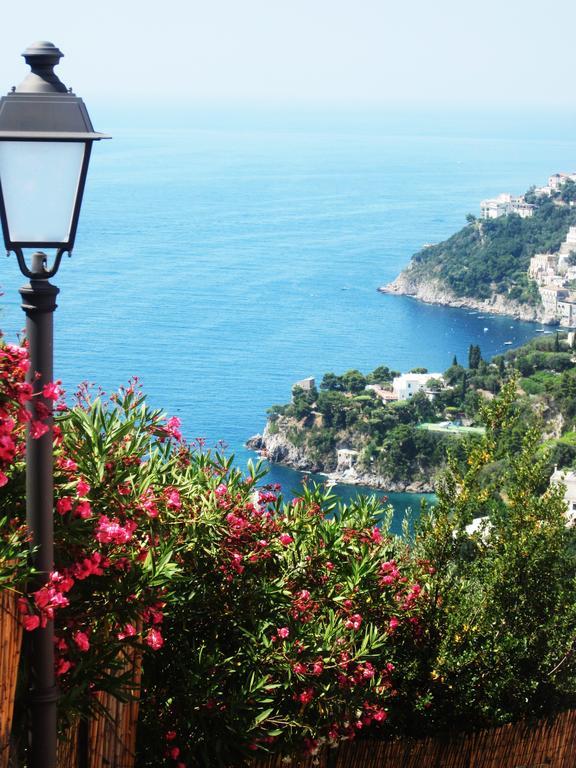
{"x": 42, "y": 57}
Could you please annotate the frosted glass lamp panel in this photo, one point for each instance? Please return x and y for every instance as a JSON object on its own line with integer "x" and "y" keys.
{"x": 40, "y": 183}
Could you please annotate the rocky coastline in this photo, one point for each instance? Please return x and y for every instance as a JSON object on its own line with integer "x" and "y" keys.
{"x": 433, "y": 291}
{"x": 278, "y": 449}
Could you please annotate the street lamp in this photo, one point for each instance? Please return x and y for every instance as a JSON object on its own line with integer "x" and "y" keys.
{"x": 45, "y": 142}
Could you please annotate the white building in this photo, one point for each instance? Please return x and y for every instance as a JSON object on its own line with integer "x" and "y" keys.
{"x": 568, "y": 246}
{"x": 567, "y": 313}
{"x": 306, "y": 384}
{"x": 542, "y": 265}
{"x": 384, "y": 394}
{"x": 558, "y": 179}
{"x": 568, "y": 478}
{"x": 550, "y": 297}
{"x": 505, "y": 204}
{"x": 407, "y": 385}
{"x": 345, "y": 459}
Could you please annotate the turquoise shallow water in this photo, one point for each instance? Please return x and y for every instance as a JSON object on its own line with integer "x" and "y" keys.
{"x": 221, "y": 261}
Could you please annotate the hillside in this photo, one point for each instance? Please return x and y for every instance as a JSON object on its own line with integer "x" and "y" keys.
{"x": 484, "y": 265}
{"x": 359, "y": 436}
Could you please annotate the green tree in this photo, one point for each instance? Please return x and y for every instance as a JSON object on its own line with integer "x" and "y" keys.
{"x": 332, "y": 382}
{"x": 354, "y": 381}
{"x": 474, "y": 356}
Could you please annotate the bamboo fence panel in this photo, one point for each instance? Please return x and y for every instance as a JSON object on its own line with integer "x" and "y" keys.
{"x": 10, "y": 648}
{"x": 547, "y": 743}
{"x": 67, "y": 753}
{"x": 112, "y": 737}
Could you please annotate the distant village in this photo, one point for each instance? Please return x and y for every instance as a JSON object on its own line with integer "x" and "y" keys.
{"x": 554, "y": 273}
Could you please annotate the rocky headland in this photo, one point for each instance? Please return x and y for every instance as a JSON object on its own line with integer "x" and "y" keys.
{"x": 433, "y": 291}
{"x": 275, "y": 446}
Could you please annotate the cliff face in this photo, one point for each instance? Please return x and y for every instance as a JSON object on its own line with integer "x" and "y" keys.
{"x": 435, "y": 292}
{"x": 276, "y": 446}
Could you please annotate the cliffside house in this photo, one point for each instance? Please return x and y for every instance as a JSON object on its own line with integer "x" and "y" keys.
{"x": 306, "y": 384}
{"x": 567, "y": 313}
{"x": 345, "y": 459}
{"x": 567, "y": 247}
{"x": 568, "y": 478}
{"x": 550, "y": 296}
{"x": 543, "y": 267}
{"x": 505, "y": 204}
{"x": 558, "y": 179}
{"x": 384, "y": 394}
{"x": 555, "y": 278}
{"x": 554, "y": 183}
{"x": 407, "y": 385}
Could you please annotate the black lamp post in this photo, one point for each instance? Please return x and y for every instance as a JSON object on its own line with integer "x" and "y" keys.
{"x": 45, "y": 142}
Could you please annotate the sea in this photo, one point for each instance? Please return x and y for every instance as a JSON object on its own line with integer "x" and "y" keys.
{"x": 224, "y": 254}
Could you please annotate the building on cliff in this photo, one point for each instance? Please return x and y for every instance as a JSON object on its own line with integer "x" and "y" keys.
{"x": 555, "y": 276}
{"x": 307, "y": 385}
{"x": 505, "y": 204}
{"x": 568, "y": 478}
{"x": 407, "y": 385}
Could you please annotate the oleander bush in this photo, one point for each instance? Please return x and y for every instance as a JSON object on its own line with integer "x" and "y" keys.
{"x": 287, "y": 624}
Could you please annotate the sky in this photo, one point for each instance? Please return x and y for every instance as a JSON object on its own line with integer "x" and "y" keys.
{"x": 346, "y": 53}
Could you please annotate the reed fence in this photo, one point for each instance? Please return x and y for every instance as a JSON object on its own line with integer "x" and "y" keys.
{"x": 10, "y": 646}
{"x": 547, "y": 743}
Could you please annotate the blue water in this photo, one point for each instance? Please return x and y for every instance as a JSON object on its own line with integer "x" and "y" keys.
{"x": 225, "y": 259}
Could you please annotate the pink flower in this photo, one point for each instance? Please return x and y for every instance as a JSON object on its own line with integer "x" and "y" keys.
{"x": 353, "y": 622}
{"x": 317, "y": 668}
{"x": 64, "y": 505}
{"x": 368, "y": 672}
{"x": 306, "y": 696}
{"x": 173, "y": 501}
{"x": 173, "y": 428}
{"x": 82, "y": 487}
{"x": 111, "y": 532}
{"x": 129, "y": 630}
{"x": 283, "y": 632}
{"x": 52, "y": 391}
{"x": 3, "y": 479}
{"x": 285, "y": 539}
{"x": 81, "y": 640}
{"x": 62, "y": 667}
{"x": 83, "y": 510}
{"x": 299, "y": 668}
{"x": 37, "y": 429}
{"x": 7, "y": 448}
{"x": 31, "y": 622}
{"x": 170, "y": 735}
{"x": 393, "y": 624}
{"x": 67, "y": 465}
{"x": 154, "y": 639}
{"x": 175, "y": 753}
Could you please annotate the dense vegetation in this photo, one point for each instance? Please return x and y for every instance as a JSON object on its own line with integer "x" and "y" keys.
{"x": 286, "y": 625}
{"x": 390, "y": 437}
{"x": 492, "y": 256}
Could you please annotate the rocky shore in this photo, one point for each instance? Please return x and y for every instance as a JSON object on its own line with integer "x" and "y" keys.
{"x": 278, "y": 449}
{"x": 434, "y": 292}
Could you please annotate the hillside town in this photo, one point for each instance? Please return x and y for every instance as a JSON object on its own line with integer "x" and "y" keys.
{"x": 553, "y": 273}
{"x": 505, "y": 203}
{"x": 555, "y": 276}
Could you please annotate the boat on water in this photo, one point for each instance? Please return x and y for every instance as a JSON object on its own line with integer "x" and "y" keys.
{"x": 507, "y": 342}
